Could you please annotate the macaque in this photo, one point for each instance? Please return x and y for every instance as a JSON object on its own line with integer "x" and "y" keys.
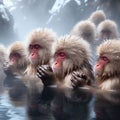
{"x": 107, "y": 30}
{"x": 70, "y": 60}
{"x": 85, "y": 30}
{"x": 39, "y": 47}
{"x": 106, "y": 69}
{"x": 97, "y": 17}
{"x": 17, "y": 62}
{"x": 3, "y": 57}
{"x": 3, "y": 61}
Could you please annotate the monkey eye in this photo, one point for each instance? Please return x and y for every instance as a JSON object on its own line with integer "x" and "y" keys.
{"x": 104, "y": 58}
{"x": 31, "y": 47}
{"x": 35, "y": 46}
{"x": 106, "y": 31}
{"x": 14, "y": 55}
{"x": 88, "y": 34}
{"x": 62, "y": 54}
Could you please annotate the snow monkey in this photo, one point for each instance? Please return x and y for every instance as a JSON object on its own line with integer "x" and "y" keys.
{"x": 17, "y": 61}
{"x": 86, "y": 30}
{"x": 70, "y": 62}
{"x": 3, "y": 56}
{"x": 3, "y": 62}
{"x": 38, "y": 48}
{"x": 107, "y": 30}
{"x": 107, "y": 68}
{"x": 97, "y": 17}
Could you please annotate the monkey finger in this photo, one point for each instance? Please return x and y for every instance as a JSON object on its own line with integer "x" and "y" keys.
{"x": 78, "y": 78}
{"x": 74, "y": 78}
{"x": 43, "y": 69}
{"x": 40, "y": 72}
{"x": 39, "y": 76}
{"x": 74, "y": 81}
{"x": 73, "y": 85}
{"x": 84, "y": 76}
{"x": 75, "y": 75}
{"x": 39, "y": 67}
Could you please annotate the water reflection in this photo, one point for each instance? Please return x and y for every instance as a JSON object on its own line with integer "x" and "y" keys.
{"x": 8, "y": 111}
{"x": 107, "y": 106}
{"x": 72, "y": 105}
{"x": 50, "y": 103}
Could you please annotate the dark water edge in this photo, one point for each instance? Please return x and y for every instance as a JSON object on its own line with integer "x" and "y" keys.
{"x": 52, "y": 103}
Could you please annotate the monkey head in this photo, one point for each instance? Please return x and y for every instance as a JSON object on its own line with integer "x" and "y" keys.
{"x": 107, "y": 30}
{"x": 17, "y": 54}
{"x": 39, "y": 44}
{"x": 68, "y": 54}
{"x": 97, "y": 17}
{"x": 108, "y": 62}
{"x": 85, "y": 29}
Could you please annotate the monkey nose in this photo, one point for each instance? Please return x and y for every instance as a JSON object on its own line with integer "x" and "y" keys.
{"x": 32, "y": 54}
{"x": 55, "y": 63}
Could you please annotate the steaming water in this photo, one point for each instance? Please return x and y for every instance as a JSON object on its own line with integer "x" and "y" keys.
{"x": 52, "y": 104}
{"x": 9, "y": 111}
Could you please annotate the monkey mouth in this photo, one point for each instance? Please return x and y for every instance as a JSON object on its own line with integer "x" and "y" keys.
{"x": 33, "y": 61}
{"x": 12, "y": 63}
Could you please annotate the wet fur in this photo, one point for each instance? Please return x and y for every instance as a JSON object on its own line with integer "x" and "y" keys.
{"x": 107, "y": 25}
{"x": 83, "y": 28}
{"x": 110, "y": 76}
{"x": 18, "y": 47}
{"x": 44, "y": 37}
{"x": 97, "y": 17}
{"x": 78, "y": 52}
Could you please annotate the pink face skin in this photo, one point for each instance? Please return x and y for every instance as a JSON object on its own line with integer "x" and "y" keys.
{"x": 14, "y": 58}
{"x": 101, "y": 63}
{"x": 59, "y": 59}
{"x": 34, "y": 52}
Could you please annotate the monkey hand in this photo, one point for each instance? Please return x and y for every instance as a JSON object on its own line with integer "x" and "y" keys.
{"x": 78, "y": 79}
{"x": 45, "y": 73}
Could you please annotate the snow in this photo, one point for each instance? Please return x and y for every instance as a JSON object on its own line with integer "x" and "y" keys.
{"x": 3, "y": 13}
{"x": 58, "y": 5}
{"x": 8, "y": 3}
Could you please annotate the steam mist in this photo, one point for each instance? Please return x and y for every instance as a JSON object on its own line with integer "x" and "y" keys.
{"x": 17, "y": 19}
{"x": 60, "y": 15}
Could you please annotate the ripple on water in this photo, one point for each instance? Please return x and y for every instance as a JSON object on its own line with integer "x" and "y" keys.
{"x": 9, "y": 111}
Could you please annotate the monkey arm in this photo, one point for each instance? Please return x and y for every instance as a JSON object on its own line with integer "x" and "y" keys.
{"x": 45, "y": 73}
